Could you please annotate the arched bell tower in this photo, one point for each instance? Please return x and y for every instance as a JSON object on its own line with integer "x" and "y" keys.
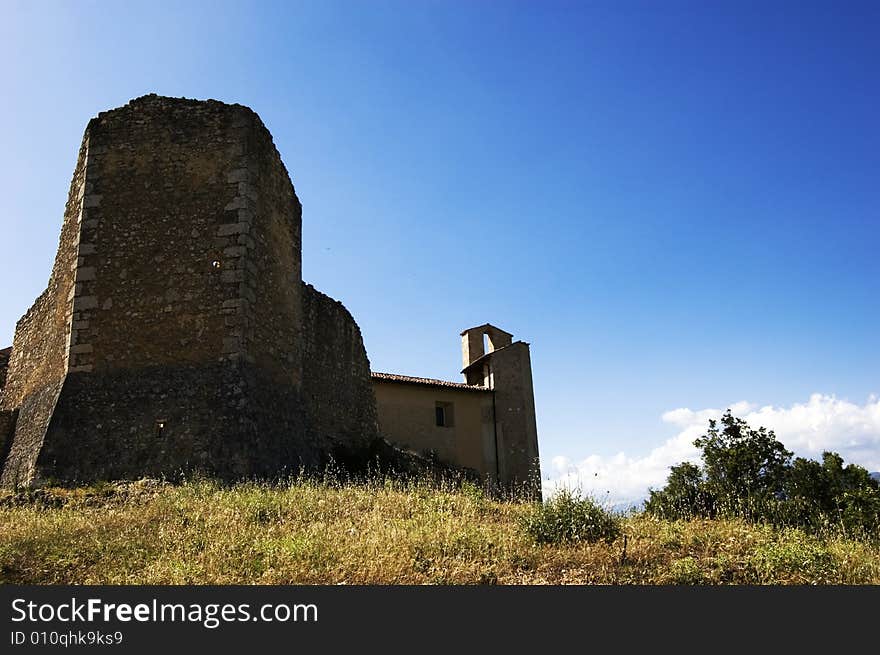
{"x": 493, "y": 360}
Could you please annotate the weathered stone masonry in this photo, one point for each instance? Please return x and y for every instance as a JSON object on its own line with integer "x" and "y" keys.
{"x": 4, "y": 365}
{"x": 176, "y": 335}
{"x": 172, "y": 334}
{"x": 7, "y": 417}
{"x": 337, "y": 388}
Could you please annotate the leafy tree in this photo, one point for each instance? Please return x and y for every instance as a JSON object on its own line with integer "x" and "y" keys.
{"x": 744, "y": 468}
{"x": 750, "y": 474}
{"x": 832, "y": 494}
{"x": 684, "y": 496}
{"x": 807, "y": 478}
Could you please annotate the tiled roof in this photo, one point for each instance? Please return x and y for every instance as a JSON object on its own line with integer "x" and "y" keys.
{"x": 6, "y": 352}
{"x": 429, "y": 382}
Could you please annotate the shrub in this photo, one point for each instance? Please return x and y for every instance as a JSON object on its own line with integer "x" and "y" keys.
{"x": 567, "y": 517}
{"x": 686, "y": 571}
{"x": 684, "y": 497}
{"x": 796, "y": 558}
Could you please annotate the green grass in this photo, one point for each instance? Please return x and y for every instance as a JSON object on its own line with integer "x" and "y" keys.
{"x": 311, "y": 532}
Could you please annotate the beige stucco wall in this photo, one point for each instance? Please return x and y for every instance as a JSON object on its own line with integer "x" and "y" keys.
{"x": 407, "y": 417}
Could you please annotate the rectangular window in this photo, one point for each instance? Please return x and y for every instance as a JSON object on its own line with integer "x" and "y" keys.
{"x": 444, "y": 415}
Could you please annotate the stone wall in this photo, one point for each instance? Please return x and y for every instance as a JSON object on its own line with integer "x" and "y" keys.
{"x": 269, "y": 278}
{"x": 31, "y": 427}
{"x": 337, "y": 389}
{"x": 170, "y": 336}
{"x": 42, "y": 336}
{"x": 4, "y": 367}
{"x": 163, "y": 207}
{"x": 272, "y": 285}
{"x": 515, "y": 421}
{"x": 7, "y": 417}
{"x": 41, "y": 346}
{"x": 7, "y": 429}
{"x": 166, "y": 421}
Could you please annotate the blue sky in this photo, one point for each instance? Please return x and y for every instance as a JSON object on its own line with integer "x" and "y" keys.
{"x": 676, "y": 204}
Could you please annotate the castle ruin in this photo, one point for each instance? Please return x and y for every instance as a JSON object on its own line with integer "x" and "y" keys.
{"x": 176, "y": 333}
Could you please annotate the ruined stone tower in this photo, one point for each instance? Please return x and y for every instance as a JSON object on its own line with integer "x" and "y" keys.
{"x": 175, "y": 333}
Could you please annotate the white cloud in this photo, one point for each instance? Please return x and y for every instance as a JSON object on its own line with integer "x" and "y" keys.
{"x": 807, "y": 429}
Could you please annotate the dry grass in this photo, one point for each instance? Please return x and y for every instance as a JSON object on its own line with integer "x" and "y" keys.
{"x": 381, "y": 533}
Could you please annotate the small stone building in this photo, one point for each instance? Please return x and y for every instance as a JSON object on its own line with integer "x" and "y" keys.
{"x": 486, "y": 424}
{"x": 176, "y": 333}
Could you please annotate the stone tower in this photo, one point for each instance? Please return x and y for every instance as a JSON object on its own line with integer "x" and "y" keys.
{"x": 493, "y": 360}
{"x": 175, "y": 333}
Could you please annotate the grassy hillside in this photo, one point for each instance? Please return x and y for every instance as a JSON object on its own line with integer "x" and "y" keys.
{"x": 381, "y": 533}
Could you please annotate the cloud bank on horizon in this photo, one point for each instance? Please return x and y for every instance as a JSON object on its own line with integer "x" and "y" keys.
{"x": 822, "y": 423}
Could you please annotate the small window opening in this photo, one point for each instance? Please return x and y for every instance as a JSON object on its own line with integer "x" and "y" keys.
{"x": 486, "y": 344}
{"x": 160, "y": 426}
{"x": 444, "y": 415}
